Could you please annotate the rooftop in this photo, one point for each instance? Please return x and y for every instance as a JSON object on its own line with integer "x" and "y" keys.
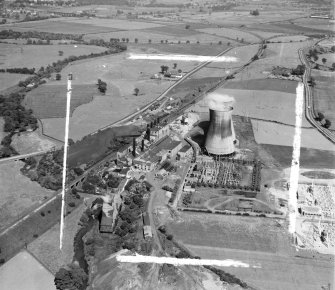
{"x": 185, "y": 148}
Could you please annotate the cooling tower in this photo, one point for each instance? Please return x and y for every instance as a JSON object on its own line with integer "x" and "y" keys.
{"x": 220, "y": 134}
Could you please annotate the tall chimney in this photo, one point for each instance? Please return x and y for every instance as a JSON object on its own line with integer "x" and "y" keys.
{"x": 134, "y": 147}
{"x": 142, "y": 145}
{"x": 148, "y": 134}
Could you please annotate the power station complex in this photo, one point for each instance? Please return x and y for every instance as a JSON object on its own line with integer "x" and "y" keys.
{"x": 220, "y": 138}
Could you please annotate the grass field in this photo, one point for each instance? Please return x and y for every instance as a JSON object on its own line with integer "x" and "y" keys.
{"x": 46, "y": 246}
{"x": 263, "y": 84}
{"x": 143, "y": 36}
{"x": 24, "y": 271}
{"x": 122, "y": 76}
{"x": 35, "y": 56}
{"x": 49, "y": 100}
{"x": 323, "y": 97}
{"x": 276, "y": 272}
{"x": 315, "y": 23}
{"x": 278, "y": 134}
{"x": 94, "y": 146}
{"x": 243, "y": 233}
{"x": 309, "y": 158}
{"x": 28, "y": 142}
{"x": 18, "y": 193}
{"x": 220, "y": 69}
{"x": 261, "y": 104}
{"x": 330, "y": 57}
{"x": 8, "y": 80}
{"x": 287, "y": 38}
{"x": 231, "y": 33}
{"x": 276, "y": 54}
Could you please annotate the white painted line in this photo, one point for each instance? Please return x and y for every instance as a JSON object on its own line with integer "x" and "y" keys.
{"x": 176, "y": 261}
{"x": 66, "y": 139}
{"x": 183, "y": 57}
{"x": 294, "y": 175}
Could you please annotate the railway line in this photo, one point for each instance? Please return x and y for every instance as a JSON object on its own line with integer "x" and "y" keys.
{"x": 309, "y": 106}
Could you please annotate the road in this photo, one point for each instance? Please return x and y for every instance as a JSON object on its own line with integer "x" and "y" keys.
{"x": 309, "y": 106}
{"x": 22, "y": 156}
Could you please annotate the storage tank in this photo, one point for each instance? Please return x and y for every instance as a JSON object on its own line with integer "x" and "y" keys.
{"x": 220, "y": 135}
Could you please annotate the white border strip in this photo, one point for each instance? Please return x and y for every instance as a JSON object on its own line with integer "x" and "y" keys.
{"x": 66, "y": 137}
{"x": 182, "y": 57}
{"x": 176, "y": 261}
{"x": 294, "y": 175}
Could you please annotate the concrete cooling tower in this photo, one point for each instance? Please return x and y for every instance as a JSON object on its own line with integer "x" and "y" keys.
{"x": 220, "y": 134}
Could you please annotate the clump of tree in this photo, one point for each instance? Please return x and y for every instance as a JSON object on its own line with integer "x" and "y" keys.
{"x": 254, "y": 12}
{"x": 136, "y": 91}
{"x": 102, "y": 86}
{"x": 23, "y": 70}
{"x": 11, "y": 34}
{"x": 164, "y": 69}
{"x": 299, "y": 70}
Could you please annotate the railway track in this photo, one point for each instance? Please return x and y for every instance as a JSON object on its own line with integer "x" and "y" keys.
{"x": 309, "y": 106}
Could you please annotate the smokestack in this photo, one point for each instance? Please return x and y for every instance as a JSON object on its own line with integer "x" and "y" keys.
{"x": 148, "y": 133}
{"x": 142, "y": 145}
{"x": 220, "y": 135}
{"x": 134, "y": 147}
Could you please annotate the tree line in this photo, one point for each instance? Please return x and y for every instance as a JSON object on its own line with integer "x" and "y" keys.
{"x": 19, "y": 70}
{"x": 11, "y": 34}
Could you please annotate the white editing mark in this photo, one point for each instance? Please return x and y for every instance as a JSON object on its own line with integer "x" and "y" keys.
{"x": 294, "y": 175}
{"x": 67, "y": 121}
{"x": 183, "y": 57}
{"x": 176, "y": 261}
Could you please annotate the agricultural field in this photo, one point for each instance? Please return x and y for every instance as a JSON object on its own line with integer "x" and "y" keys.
{"x": 49, "y": 100}
{"x": 263, "y": 84}
{"x": 309, "y": 158}
{"x": 323, "y": 94}
{"x": 330, "y": 57}
{"x": 231, "y": 34}
{"x": 237, "y": 18}
{"x": 143, "y": 36}
{"x": 314, "y": 23}
{"x": 19, "y": 194}
{"x": 274, "y": 272}
{"x": 276, "y": 54}
{"x": 328, "y": 42}
{"x": 288, "y": 38}
{"x": 233, "y": 232}
{"x": 46, "y": 246}
{"x": 122, "y": 76}
{"x": 8, "y": 80}
{"x": 25, "y": 269}
{"x": 35, "y": 56}
{"x": 279, "y": 134}
{"x": 2, "y": 133}
{"x": 29, "y": 142}
{"x": 220, "y": 69}
{"x": 260, "y": 104}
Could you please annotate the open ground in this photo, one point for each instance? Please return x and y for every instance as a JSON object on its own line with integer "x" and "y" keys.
{"x": 122, "y": 76}
{"x": 46, "y": 247}
{"x": 18, "y": 193}
{"x": 24, "y": 268}
{"x": 8, "y": 80}
{"x": 35, "y": 56}
{"x": 323, "y": 94}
